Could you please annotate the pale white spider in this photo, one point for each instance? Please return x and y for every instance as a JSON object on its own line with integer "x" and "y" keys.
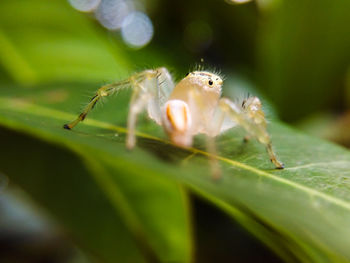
{"x": 192, "y": 106}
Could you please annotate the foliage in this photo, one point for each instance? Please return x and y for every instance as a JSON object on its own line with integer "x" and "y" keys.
{"x": 122, "y": 206}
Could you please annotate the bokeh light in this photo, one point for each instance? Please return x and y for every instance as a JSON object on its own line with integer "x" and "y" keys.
{"x": 85, "y": 5}
{"x": 238, "y": 1}
{"x": 137, "y": 29}
{"x": 126, "y": 15}
{"x": 111, "y": 13}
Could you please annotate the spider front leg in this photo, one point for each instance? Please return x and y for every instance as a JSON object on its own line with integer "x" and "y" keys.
{"x": 137, "y": 104}
{"x": 251, "y": 117}
{"x": 150, "y": 88}
{"x": 212, "y": 130}
{"x": 104, "y": 91}
{"x": 214, "y": 163}
{"x": 151, "y": 93}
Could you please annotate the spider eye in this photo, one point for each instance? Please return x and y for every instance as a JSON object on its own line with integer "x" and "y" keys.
{"x": 210, "y": 82}
{"x": 187, "y": 74}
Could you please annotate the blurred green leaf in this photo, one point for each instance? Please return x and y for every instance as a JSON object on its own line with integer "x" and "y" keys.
{"x": 42, "y": 41}
{"x": 304, "y": 54}
{"x": 130, "y": 206}
{"x": 301, "y": 212}
{"x": 134, "y": 217}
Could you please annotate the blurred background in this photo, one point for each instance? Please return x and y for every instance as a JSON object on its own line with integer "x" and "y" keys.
{"x": 296, "y": 54}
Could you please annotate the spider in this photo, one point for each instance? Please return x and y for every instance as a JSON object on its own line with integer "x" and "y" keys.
{"x": 192, "y": 106}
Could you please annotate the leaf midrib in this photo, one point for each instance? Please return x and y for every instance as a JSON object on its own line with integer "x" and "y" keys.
{"x": 21, "y": 105}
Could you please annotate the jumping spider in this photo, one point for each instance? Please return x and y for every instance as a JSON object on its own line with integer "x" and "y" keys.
{"x": 192, "y": 106}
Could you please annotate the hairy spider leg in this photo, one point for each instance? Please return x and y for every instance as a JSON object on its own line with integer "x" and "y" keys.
{"x": 255, "y": 126}
{"x": 104, "y": 91}
{"x": 212, "y": 122}
{"x": 150, "y": 88}
{"x": 213, "y": 129}
{"x": 138, "y": 102}
{"x": 212, "y": 125}
{"x": 214, "y": 163}
{"x": 152, "y": 93}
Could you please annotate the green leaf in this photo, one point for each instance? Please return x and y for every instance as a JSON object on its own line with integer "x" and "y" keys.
{"x": 116, "y": 213}
{"x": 301, "y": 212}
{"x": 42, "y": 41}
{"x": 304, "y": 53}
{"x": 116, "y": 219}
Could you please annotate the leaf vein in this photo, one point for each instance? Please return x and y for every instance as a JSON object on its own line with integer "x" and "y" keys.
{"x": 26, "y": 107}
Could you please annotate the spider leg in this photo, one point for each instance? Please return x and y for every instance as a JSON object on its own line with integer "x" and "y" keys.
{"x": 213, "y": 129}
{"x": 152, "y": 93}
{"x": 252, "y": 119}
{"x": 214, "y": 163}
{"x": 150, "y": 88}
{"x": 104, "y": 91}
{"x": 137, "y": 104}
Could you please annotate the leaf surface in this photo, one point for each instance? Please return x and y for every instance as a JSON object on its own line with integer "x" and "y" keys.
{"x": 114, "y": 211}
{"x": 49, "y": 41}
{"x": 301, "y": 212}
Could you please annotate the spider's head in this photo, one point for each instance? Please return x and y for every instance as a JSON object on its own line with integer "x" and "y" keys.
{"x": 207, "y": 80}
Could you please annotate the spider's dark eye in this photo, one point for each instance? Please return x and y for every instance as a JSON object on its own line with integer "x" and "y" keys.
{"x": 187, "y": 74}
{"x": 210, "y": 82}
